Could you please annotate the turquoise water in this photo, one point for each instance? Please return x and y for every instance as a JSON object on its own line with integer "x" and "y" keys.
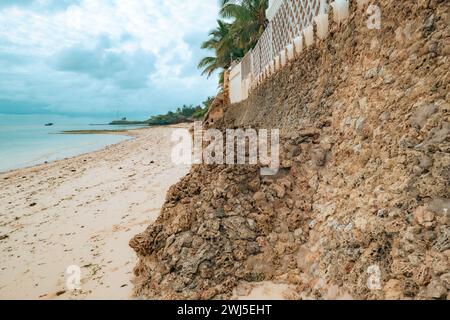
{"x": 26, "y": 141}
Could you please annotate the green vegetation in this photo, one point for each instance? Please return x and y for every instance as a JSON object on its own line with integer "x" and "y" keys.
{"x": 183, "y": 114}
{"x": 243, "y": 23}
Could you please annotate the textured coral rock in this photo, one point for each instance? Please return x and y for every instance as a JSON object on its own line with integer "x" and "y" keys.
{"x": 363, "y": 194}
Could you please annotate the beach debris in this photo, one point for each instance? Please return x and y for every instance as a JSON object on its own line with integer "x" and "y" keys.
{"x": 60, "y": 293}
{"x": 4, "y": 237}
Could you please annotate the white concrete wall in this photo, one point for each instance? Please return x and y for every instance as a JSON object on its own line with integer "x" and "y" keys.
{"x": 246, "y": 87}
{"x": 236, "y": 84}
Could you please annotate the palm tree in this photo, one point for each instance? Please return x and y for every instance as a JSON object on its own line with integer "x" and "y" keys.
{"x": 249, "y": 20}
{"x": 222, "y": 44}
{"x": 232, "y": 40}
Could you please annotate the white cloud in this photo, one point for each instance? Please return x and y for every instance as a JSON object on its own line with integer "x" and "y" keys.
{"x": 168, "y": 31}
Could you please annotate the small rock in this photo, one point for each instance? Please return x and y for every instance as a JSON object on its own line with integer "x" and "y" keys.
{"x": 280, "y": 190}
{"x": 324, "y": 210}
{"x": 424, "y": 217}
{"x": 445, "y": 278}
{"x": 385, "y": 116}
{"x": 311, "y": 132}
{"x": 3, "y": 237}
{"x": 298, "y": 233}
{"x": 318, "y": 156}
{"x": 443, "y": 241}
{"x": 254, "y": 185}
{"x": 425, "y": 162}
{"x": 359, "y": 125}
{"x": 362, "y": 103}
{"x": 388, "y": 79}
{"x": 417, "y": 170}
{"x": 422, "y": 114}
{"x": 407, "y": 142}
{"x": 259, "y": 196}
{"x": 436, "y": 290}
{"x": 382, "y": 213}
{"x": 423, "y": 4}
{"x": 280, "y": 248}
{"x": 429, "y": 25}
{"x": 371, "y": 73}
{"x": 393, "y": 290}
{"x": 410, "y": 288}
{"x": 60, "y": 293}
{"x": 346, "y": 122}
{"x": 286, "y": 164}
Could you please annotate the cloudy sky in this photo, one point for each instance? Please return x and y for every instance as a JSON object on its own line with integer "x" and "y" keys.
{"x": 132, "y": 57}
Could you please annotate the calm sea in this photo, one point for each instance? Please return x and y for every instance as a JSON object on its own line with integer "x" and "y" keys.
{"x": 26, "y": 141}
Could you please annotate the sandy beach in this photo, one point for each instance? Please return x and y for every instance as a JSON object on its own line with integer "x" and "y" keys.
{"x": 82, "y": 211}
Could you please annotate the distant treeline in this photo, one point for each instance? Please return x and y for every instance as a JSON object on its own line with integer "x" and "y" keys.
{"x": 182, "y": 114}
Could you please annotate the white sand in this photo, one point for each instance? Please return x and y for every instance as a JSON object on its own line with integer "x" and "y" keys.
{"x": 82, "y": 211}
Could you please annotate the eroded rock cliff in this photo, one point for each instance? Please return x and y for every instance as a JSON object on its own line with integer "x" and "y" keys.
{"x": 365, "y": 179}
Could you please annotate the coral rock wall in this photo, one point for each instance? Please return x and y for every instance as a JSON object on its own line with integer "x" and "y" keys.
{"x": 365, "y": 179}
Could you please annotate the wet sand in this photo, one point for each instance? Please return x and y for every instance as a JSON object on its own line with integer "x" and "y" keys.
{"x": 82, "y": 211}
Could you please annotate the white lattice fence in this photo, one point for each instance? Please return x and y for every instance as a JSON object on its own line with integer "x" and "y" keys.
{"x": 292, "y": 17}
{"x": 290, "y": 24}
{"x": 263, "y": 52}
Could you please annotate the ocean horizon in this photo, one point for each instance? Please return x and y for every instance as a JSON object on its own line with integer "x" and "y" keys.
{"x": 25, "y": 140}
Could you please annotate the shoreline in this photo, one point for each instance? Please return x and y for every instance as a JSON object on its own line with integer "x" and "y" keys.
{"x": 82, "y": 211}
{"x": 132, "y": 133}
{"x": 124, "y": 134}
{"x": 63, "y": 159}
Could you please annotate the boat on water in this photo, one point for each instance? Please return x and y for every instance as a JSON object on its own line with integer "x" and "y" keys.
{"x": 49, "y": 124}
